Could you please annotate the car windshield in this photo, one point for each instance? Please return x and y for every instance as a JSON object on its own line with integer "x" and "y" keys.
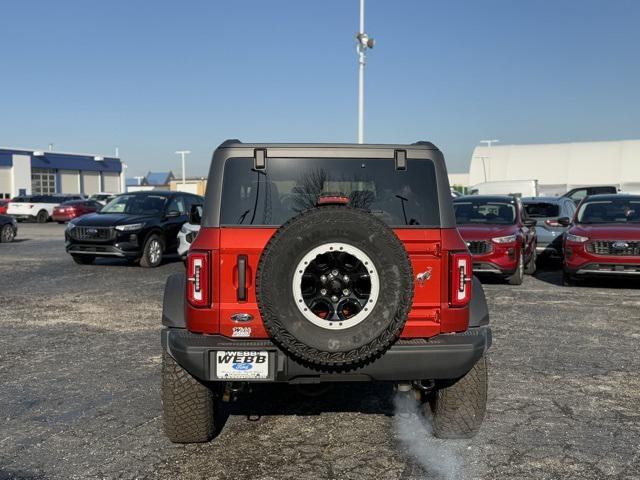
{"x": 136, "y": 205}
{"x": 542, "y": 209}
{"x": 620, "y": 210}
{"x": 484, "y": 211}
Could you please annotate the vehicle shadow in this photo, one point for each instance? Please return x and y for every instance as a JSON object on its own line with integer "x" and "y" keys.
{"x": 554, "y": 277}
{"x": 304, "y": 400}
{"x": 121, "y": 262}
{"x": 20, "y": 240}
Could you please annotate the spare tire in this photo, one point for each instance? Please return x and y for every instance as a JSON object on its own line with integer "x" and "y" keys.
{"x": 334, "y": 287}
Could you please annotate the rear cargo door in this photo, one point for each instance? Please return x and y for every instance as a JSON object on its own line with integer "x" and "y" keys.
{"x": 240, "y": 250}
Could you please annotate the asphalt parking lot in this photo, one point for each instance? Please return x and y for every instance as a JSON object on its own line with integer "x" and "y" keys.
{"x": 80, "y": 375}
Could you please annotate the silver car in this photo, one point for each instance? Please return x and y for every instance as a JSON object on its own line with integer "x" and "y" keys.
{"x": 547, "y": 211}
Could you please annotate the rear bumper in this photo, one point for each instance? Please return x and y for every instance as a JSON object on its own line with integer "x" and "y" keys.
{"x": 62, "y": 217}
{"x": 445, "y": 356}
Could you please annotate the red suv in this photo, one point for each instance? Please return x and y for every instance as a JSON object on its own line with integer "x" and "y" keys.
{"x": 74, "y": 208}
{"x": 322, "y": 263}
{"x": 500, "y": 236}
{"x": 604, "y": 239}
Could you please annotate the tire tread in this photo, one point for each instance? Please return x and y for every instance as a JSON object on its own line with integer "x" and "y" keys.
{"x": 187, "y": 404}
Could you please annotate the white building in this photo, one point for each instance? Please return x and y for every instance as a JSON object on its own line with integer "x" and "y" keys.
{"x": 561, "y": 166}
{"x": 26, "y": 172}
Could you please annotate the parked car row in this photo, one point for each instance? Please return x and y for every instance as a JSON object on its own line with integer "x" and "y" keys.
{"x": 505, "y": 234}
{"x": 41, "y": 208}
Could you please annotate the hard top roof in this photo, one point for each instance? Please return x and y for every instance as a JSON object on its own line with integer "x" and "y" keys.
{"x": 420, "y": 145}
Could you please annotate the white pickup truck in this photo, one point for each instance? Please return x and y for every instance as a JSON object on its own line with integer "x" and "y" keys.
{"x": 37, "y": 207}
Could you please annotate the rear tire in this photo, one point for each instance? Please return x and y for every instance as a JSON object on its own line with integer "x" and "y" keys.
{"x": 42, "y": 216}
{"x": 152, "y": 253}
{"x": 187, "y": 404}
{"x": 518, "y": 275}
{"x": 458, "y": 409}
{"x": 83, "y": 259}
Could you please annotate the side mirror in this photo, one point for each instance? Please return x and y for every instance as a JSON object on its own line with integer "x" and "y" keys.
{"x": 564, "y": 221}
{"x": 173, "y": 214}
{"x": 530, "y": 223}
{"x": 195, "y": 214}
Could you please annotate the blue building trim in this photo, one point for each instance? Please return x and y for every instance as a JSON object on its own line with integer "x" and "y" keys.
{"x": 6, "y": 159}
{"x": 63, "y": 161}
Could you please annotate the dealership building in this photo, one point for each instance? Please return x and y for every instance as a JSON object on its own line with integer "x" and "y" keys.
{"x": 34, "y": 172}
{"x": 558, "y": 167}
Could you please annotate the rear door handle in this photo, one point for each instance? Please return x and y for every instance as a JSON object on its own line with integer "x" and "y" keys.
{"x": 242, "y": 278}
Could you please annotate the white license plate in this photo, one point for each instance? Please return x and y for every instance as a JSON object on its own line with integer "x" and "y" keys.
{"x": 233, "y": 364}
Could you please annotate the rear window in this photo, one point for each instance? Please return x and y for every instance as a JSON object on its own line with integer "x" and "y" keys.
{"x": 291, "y": 185}
{"x": 542, "y": 210}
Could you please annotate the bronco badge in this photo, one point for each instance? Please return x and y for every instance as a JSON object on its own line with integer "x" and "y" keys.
{"x": 421, "y": 278}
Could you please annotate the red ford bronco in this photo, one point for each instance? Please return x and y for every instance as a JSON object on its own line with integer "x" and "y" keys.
{"x": 320, "y": 263}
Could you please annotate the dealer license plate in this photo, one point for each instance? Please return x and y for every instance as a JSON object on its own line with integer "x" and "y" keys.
{"x": 242, "y": 365}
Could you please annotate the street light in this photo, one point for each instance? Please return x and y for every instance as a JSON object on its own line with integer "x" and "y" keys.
{"x": 363, "y": 43}
{"x": 489, "y": 142}
{"x": 183, "y": 154}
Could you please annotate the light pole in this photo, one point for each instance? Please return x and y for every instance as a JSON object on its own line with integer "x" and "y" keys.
{"x": 489, "y": 143}
{"x": 484, "y": 167}
{"x": 123, "y": 176}
{"x": 363, "y": 43}
{"x": 183, "y": 154}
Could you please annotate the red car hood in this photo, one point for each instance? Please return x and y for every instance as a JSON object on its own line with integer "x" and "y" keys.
{"x": 608, "y": 231}
{"x": 485, "y": 232}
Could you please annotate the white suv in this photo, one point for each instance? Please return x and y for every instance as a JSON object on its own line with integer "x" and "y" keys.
{"x": 37, "y": 207}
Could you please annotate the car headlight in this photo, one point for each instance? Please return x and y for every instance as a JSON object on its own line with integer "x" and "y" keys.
{"x": 507, "y": 239}
{"x": 576, "y": 238}
{"x": 132, "y": 227}
{"x": 71, "y": 226}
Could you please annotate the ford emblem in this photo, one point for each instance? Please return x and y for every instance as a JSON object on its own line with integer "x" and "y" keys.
{"x": 242, "y": 366}
{"x": 241, "y": 317}
{"x": 620, "y": 245}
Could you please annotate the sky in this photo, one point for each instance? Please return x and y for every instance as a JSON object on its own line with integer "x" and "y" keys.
{"x": 153, "y": 77}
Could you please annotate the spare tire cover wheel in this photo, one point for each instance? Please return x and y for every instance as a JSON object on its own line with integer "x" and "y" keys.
{"x": 334, "y": 287}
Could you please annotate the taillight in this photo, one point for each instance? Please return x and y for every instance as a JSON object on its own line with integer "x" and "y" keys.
{"x": 198, "y": 271}
{"x": 461, "y": 277}
{"x": 552, "y": 223}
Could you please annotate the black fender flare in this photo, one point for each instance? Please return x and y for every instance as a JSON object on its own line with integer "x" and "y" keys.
{"x": 173, "y": 301}
{"x": 478, "y": 310}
